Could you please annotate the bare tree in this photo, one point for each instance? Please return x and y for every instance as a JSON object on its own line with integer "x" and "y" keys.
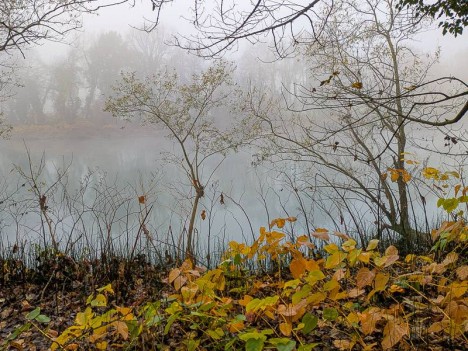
{"x": 186, "y": 113}
{"x": 353, "y": 128}
{"x": 26, "y": 22}
{"x": 218, "y": 26}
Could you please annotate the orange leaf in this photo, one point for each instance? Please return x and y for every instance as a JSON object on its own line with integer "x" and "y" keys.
{"x": 203, "y": 214}
{"x": 235, "y": 327}
{"x": 245, "y": 300}
{"x": 406, "y": 176}
{"x": 297, "y": 267}
{"x": 142, "y": 199}
{"x": 285, "y": 328}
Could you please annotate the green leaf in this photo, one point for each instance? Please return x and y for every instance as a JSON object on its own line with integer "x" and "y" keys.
{"x": 18, "y": 331}
{"x": 310, "y": 322}
{"x": 450, "y": 204}
{"x": 254, "y": 345}
{"x": 283, "y": 344}
{"x": 42, "y": 318}
{"x": 192, "y": 344}
{"x": 308, "y": 347}
{"x": 33, "y": 314}
{"x": 216, "y": 334}
{"x": 302, "y": 293}
{"x": 463, "y": 198}
{"x": 330, "y": 314}
{"x": 170, "y": 321}
{"x": 252, "y": 335}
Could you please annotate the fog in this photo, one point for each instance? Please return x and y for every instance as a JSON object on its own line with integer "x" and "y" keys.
{"x": 84, "y": 156}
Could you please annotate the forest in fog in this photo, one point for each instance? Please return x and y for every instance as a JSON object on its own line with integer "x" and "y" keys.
{"x": 259, "y": 175}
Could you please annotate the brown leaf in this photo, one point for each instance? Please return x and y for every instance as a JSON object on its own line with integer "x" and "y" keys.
{"x": 343, "y": 344}
{"x": 321, "y": 233}
{"x": 393, "y": 332}
{"x": 364, "y": 277}
{"x": 452, "y": 257}
{"x": 369, "y": 319}
{"x": 462, "y": 272}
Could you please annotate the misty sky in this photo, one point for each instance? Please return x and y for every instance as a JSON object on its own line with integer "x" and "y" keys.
{"x": 454, "y": 51}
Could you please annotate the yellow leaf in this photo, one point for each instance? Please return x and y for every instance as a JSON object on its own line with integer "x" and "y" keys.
{"x": 349, "y": 245}
{"x": 335, "y": 259}
{"x": 279, "y": 222}
{"x": 331, "y": 248}
{"x": 459, "y": 289}
{"x": 99, "y": 301}
{"x": 430, "y": 172}
{"x": 394, "y": 174}
{"x": 316, "y": 298}
{"x": 107, "y": 288}
{"x": 380, "y": 261}
{"x": 101, "y": 345}
{"x": 356, "y": 85}
{"x": 381, "y": 281}
{"x": 372, "y": 244}
{"x": 365, "y": 257}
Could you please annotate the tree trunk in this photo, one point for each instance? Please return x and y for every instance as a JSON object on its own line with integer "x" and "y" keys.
{"x": 189, "y": 252}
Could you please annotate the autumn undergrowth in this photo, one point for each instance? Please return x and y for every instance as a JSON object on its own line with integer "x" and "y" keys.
{"x": 348, "y": 298}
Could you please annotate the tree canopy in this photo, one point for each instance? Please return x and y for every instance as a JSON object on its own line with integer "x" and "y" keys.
{"x": 453, "y": 14}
